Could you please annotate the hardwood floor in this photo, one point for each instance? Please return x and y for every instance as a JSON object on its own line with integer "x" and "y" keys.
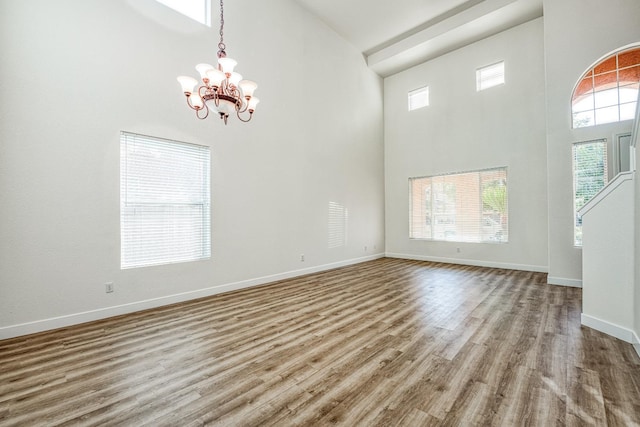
{"x": 383, "y": 343}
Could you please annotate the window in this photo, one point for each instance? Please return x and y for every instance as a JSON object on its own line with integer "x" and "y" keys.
{"x": 164, "y": 201}
{"x": 490, "y": 76}
{"x": 198, "y": 10}
{"x": 419, "y": 98}
{"x": 460, "y": 207}
{"x": 608, "y": 92}
{"x": 589, "y": 176}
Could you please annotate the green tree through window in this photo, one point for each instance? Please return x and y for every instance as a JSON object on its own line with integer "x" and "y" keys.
{"x": 589, "y": 177}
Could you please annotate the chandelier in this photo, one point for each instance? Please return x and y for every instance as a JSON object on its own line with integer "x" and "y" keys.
{"x": 223, "y": 90}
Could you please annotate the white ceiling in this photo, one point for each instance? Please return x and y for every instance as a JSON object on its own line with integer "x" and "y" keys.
{"x": 395, "y": 35}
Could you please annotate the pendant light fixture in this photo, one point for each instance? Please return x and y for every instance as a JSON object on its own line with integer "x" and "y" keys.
{"x": 223, "y": 90}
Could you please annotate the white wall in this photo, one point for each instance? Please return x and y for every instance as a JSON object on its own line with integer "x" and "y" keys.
{"x": 466, "y": 130}
{"x": 577, "y": 34}
{"x": 75, "y": 73}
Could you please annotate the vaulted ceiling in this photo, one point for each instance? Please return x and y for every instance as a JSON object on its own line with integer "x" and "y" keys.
{"x": 395, "y": 35}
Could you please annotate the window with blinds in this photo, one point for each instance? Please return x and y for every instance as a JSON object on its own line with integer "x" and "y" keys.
{"x": 164, "y": 201}
{"x": 460, "y": 207}
{"x": 198, "y": 10}
{"x": 490, "y": 76}
{"x": 589, "y": 177}
{"x": 418, "y": 98}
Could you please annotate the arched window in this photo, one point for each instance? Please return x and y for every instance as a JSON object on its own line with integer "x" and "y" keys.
{"x": 608, "y": 92}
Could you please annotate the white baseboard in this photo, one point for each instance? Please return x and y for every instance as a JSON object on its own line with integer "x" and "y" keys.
{"x": 609, "y": 328}
{"x": 636, "y": 343}
{"x": 561, "y": 281}
{"x": 477, "y": 263}
{"x": 103, "y": 313}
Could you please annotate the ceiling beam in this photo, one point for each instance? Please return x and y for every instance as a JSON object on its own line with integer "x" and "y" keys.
{"x": 469, "y": 22}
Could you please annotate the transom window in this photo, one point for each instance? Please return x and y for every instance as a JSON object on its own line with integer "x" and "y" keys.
{"x": 460, "y": 207}
{"x": 198, "y": 10}
{"x": 490, "y": 76}
{"x": 608, "y": 92}
{"x": 418, "y": 98}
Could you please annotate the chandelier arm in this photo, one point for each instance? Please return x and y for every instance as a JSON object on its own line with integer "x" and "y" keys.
{"x": 242, "y": 105}
{"x": 215, "y": 97}
{"x": 240, "y": 117}
{"x": 206, "y": 109}
{"x": 209, "y": 94}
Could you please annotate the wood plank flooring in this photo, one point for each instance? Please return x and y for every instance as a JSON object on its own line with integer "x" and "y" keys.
{"x": 383, "y": 343}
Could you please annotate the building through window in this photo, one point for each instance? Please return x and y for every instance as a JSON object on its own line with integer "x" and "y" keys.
{"x": 460, "y": 207}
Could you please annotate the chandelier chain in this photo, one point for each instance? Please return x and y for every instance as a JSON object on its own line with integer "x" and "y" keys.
{"x": 221, "y": 46}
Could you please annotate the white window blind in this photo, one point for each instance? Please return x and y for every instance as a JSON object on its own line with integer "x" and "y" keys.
{"x": 460, "y": 207}
{"x": 418, "y": 98}
{"x": 198, "y": 10}
{"x": 589, "y": 177}
{"x": 490, "y": 76}
{"x": 164, "y": 201}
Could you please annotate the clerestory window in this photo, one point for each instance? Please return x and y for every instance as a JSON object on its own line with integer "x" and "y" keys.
{"x": 198, "y": 10}
{"x": 608, "y": 92}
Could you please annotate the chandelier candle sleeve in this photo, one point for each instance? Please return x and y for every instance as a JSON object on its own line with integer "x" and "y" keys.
{"x": 222, "y": 90}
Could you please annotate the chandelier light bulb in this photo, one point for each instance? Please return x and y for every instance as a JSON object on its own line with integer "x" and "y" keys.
{"x": 215, "y": 77}
{"x": 196, "y": 102}
{"x": 227, "y": 65}
{"x": 252, "y": 104}
{"x": 203, "y": 69}
{"x": 234, "y": 79}
{"x": 188, "y": 84}
{"x": 247, "y": 87}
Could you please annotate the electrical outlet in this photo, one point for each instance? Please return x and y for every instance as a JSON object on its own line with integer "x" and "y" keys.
{"x": 108, "y": 287}
{"x": 302, "y": 258}
{"x": 365, "y": 249}
{"x": 458, "y": 250}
